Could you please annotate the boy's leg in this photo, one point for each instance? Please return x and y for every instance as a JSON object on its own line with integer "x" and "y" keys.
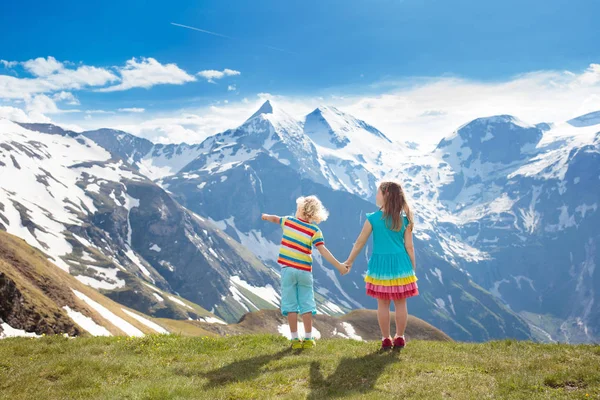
{"x": 289, "y": 299}
{"x": 306, "y": 299}
{"x": 307, "y": 321}
{"x": 293, "y": 322}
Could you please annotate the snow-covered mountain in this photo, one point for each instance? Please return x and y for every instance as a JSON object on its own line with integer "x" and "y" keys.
{"x": 500, "y": 204}
{"x": 234, "y": 199}
{"x": 268, "y": 131}
{"x": 357, "y": 153}
{"x": 111, "y": 227}
{"x": 152, "y": 160}
{"x": 526, "y": 197}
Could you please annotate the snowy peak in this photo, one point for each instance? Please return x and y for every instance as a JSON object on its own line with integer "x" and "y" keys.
{"x": 48, "y": 128}
{"x": 266, "y": 108}
{"x": 330, "y": 127}
{"x": 269, "y": 124}
{"x": 121, "y": 144}
{"x": 589, "y": 119}
{"x": 499, "y": 139}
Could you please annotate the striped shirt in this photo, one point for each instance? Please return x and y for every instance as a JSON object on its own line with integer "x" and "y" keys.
{"x": 299, "y": 237}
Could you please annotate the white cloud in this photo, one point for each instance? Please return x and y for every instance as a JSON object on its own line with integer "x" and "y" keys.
{"x": 9, "y": 64}
{"x": 41, "y": 104}
{"x": 419, "y": 110}
{"x": 212, "y": 75}
{"x": 52, "y": 76}
{"x": 43, "y": 66}
{"x": 148, "y": 72}
{"x": 187, "y": 127}
{"x": 67, "y": 97}
{"x": 433, "y": 113}
{"x": 14, "y": 114}
{"x": 231, "y": 88}
{"x": 591, "y": 76}
{"x": 132, "y": 110}
{"x": 98, "y": 112}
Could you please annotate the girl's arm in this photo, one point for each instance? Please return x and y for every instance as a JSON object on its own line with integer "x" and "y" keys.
{"x": 360, "y": 243}
{"x": 409, "y": 246}
{"x": 331, "y": 259}
{"x": 271, "y": 218}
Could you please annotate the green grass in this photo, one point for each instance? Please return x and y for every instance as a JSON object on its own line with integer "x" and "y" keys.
{"x": 262, "y": 366}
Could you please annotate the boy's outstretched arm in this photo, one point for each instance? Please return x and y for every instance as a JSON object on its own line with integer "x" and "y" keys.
{"x": 332, "y": 260}
{"x": 271, "y": 218}
{"x": 360, "y": 243}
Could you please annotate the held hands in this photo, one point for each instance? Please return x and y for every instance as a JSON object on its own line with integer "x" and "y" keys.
{"x": 343, "y": 269}
{"x": 348, "y": 264}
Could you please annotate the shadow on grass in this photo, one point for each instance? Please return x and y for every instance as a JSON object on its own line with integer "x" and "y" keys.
{"x": 242, "y": 370}
{"x": 352, "y": 376}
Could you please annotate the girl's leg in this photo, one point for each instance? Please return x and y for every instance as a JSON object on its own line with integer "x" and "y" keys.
{"x": 293, "y": 322}
{"x": 383, "y": 317}
{"x": 401, "y": 316}
{"x": 307, "y": 320}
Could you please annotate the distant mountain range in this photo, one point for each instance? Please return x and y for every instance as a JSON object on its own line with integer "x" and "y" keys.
{"x": 507, "y": 216}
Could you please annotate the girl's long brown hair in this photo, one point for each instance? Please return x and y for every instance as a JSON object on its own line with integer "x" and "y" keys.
{"x": 394, "y": 203}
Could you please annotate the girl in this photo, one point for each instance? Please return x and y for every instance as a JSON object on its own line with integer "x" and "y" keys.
{"x": 391, "y": 273}
{"x": 300, "y": 235}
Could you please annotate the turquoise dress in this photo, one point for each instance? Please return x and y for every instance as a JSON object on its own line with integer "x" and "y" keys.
{"x": 390, "y": 275}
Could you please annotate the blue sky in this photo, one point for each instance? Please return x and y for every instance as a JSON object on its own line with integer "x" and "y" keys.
{"x": 332, "y": 48}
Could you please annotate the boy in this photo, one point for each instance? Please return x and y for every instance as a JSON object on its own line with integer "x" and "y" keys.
{"x": 300, "y": 235}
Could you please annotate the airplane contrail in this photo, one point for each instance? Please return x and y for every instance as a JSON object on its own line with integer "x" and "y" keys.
{"x": 228, "y": 37}
{"x": 201, "y": 30}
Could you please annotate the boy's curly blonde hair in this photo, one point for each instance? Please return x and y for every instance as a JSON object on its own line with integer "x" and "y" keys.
{"x": 312, "y": 209}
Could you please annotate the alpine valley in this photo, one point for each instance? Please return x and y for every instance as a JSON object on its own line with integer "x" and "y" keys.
{"x": 506, "y": 217}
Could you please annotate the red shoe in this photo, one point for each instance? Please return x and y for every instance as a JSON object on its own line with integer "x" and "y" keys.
{"x": 399, "y": 343}
{"x": 386, "y": 344}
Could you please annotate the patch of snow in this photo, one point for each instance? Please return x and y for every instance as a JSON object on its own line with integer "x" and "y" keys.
{"x": 158, "y": 297}
{"x": 520, "y": 278}
{"x": 436, "y": 272}
{"x": 214, "y": 253}
{"x": 285, "y": 331}
{"x": 137, "y": 261}
{"x": 94, "y": 188}
{"x": 333, "y": 307}
{"x": 241, "y": 299}
{"x": 181, "y": 303}
{"x": 267, "y": 293}
{"x": 9, "y": 331}
{"x": 440, "y": 303}
{"x": 495, "y": 290}
{"x": 98, "y": 284}
{"x": 130, "y": 203}
{"x": 86, "y": 323}
{"x": 156, "y": 248}
{"x": 83, "y": 241}
{"x": 87, "y": 257}
{"x": 584, "y": 208}
{"x": 451, "y": 304}
{"x": 154, "y": 326}
{"x": 213, "y": 320}
{"x": 119, "y": 322}
{"x": 167, "y": 265}
{"x": 351, "y": 332}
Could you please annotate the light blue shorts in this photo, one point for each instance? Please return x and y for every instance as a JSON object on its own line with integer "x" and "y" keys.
{"x": 297, "y": 294}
